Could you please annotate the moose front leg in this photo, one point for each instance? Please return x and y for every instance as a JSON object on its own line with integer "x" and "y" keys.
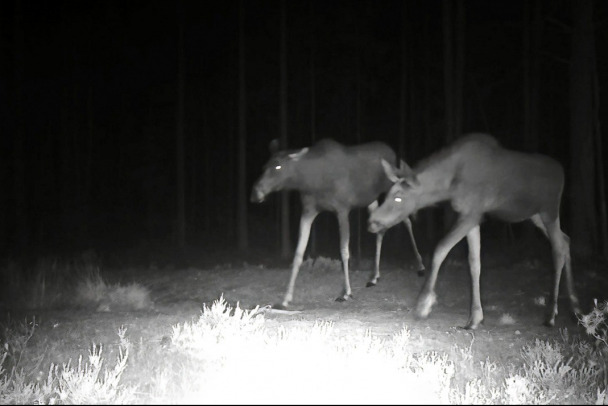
{"x": 344, "y": 253}
{"x": 408, "y": 225}
{"x": 427, "y": 296}
{"x": 376, "y": 275}
{"x": 305, "y": 223}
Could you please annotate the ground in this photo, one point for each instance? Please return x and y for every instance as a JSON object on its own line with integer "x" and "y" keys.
{"x": 514, "y": 290}
{"x": 513, "y": 287}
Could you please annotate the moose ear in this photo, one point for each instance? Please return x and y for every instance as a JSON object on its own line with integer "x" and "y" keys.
{"x": 408, "y": 174}
{"x": 297, "y": 155}
{"x": 372, "y": 206}
{"x": 390, "y": 171}
{"x": 273, "y": 146}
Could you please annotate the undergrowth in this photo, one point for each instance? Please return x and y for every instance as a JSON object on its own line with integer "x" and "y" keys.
{"x": 229, "y": 355}
{"x": 86, "y": 383}
{"x": 73, "y": 282}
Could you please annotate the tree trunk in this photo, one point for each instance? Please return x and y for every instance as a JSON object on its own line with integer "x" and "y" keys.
{"x": 448, "y": 69}
{"x": 358, "y": 137}
{"x": 242, "y": 235}
{"x": 531, "y": 87}
{"x": 88, "y": 170}
{"x": 453, "y": 34}
{"x": 21, "y": 214}
{"x": 181, "y": 199}
{"x": 601, "y": 181}
{"x": 313, "y": 112}
{"x": 453, "y": 69}
{"x": 432, "y": 218}
{"x": 403, "y": 94}
{"x": 531, "y": 67}
{"x": 207, "y": 175}
{"x": 403, "y": 103}
{"x": 459, "y": 63}
{"x": 582, "y": 160}
{"x": 285, "y": 229}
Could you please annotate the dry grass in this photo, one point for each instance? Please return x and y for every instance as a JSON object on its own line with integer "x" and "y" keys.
{"x": 228, "y": 355}
{"x": 75, "y": 282}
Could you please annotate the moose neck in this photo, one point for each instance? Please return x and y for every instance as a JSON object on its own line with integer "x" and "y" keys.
{"x": 435, "y": 178}
{"x": 307, "y": 176}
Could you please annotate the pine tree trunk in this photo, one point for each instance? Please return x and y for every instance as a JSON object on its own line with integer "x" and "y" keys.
{"x": 584, "y": 234}
{"x": 21, "y": 214}
{"x": 403, "y": 104}
{"x": 358, "y": 136}
{"x": 531, "y": 67}
{"x": 285, "y": 229}
{"x": 453, "y": 34}
{"x": 448, "y": 69}
{"x": 181, "y": 209}
{"x": 313, "y": 112}
{"x": 242, "y": 231}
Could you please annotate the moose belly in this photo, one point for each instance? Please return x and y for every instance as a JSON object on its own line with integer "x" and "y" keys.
{"x": 515, "y": 211}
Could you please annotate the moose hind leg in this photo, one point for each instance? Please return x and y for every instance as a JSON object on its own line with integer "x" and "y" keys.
{"x": 344, "y": 253}
{"x": 476, "y": 315}
{"x": 560, "y": 249}
{"x": 574, "y": 304}
{"x": 376, "y": 275}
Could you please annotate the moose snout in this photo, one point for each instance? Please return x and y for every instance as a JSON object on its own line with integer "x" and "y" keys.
{"x": 374, "y": 226}
{"x": 257, "y": 195}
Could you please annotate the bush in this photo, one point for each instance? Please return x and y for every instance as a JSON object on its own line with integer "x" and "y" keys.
{"x": 86, "y": 383}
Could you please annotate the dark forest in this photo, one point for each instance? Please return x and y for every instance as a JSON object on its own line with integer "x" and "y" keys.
{"x": 129, "y": 124}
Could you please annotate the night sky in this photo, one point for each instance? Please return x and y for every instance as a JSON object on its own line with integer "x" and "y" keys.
{"x": 91, "y": 86}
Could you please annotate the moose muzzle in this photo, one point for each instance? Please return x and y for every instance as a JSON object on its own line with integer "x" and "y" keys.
{"x": 257, "y": 195}
{"x": 374, "y": 226}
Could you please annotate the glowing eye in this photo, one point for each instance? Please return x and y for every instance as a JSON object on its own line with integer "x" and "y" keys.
{"x": 398, "y": 199}
{"x": 277, "y": 167}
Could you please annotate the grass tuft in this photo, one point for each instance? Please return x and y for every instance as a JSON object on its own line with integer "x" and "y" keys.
{"x": 321, "y": 265}
{"x": 86, "y": 383}
{"x": 231, "y": 355}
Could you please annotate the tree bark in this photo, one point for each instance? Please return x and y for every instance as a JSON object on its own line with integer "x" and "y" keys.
{"x": 448, "y": 69}
{"x": 582, "y": 161}
{"x": 313, "y": 111}
{"x": 358, "y": 137}
{"x": 21, "y": 213}
{"x": 242, "y": 231}
{"x": 531, "y": 75}
{"x": 181, "y": 192}
{"x": 453, "y": 35}
{"x": 285, "y": 229}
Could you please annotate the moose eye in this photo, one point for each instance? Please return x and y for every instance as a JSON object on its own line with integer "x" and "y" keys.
{"x": 398, "y": 199}
{"x": 278, "y": 167}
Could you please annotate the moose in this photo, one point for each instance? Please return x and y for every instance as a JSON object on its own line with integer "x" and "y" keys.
{"x": 478, "y": 176}
{"x": 330, "y": 177}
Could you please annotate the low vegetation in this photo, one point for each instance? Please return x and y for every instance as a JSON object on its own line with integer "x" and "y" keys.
{"x": 230, "y": 355}
{"x": 75, "y": 282}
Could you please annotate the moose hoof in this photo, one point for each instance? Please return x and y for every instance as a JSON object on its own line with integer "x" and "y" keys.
{"x": 419, "y": 315}
{"x": 472, "y": 326}
{"x": 550, "y": 319}
{"x": 344, "y": 298}
{"x": 420, "y": 272}
{"x": 279, "y": 306}
{"x": 370, "y": 284}
{"x": 424, "y": 305}
{"x": 549, "y": 323}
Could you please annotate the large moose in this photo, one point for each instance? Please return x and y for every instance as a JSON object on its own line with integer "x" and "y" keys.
{"x": 330, "y": 177}
{"x": 478, "y": 176}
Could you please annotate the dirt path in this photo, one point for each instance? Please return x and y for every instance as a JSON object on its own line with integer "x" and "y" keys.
{"x": 510, "y": 295}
